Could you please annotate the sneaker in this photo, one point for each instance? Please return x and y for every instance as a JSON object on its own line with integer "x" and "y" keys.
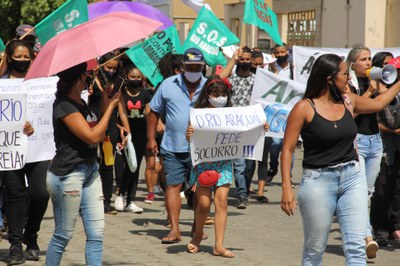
{"x": 270, "y": 175}
{"x": 157, "y": 189}
{"x": 119, "y": 203}
{"x": 32, "y": 254}
{"x": 32, "y": 248}
{"x": 149, "y": 199}
{"x": 108, "y": 209}
{"x": 241, "y": 203}
{"x": 182, "y": 194}
{"x": 132, "y": 207}
{"x": 15, "y": 256}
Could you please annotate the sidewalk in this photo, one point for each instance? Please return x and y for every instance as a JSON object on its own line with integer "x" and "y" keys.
{"x": 259, "y": 235}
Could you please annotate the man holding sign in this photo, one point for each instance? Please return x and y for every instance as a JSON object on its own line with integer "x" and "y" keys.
{"x": 173, "y": 100}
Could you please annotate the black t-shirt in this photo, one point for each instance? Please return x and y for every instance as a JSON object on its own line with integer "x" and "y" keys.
{"x": 135, "y": 107}
{"x": 70, "y": 150}
{"x": 367, "y": 123}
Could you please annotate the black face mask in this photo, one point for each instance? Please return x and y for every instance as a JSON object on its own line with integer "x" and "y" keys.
{"x": 335, "y": 92}
{"x": 20, "y": 66}
{"x": 244, "y": 66}
{"x": 134, "y": 84}
{"x": 282, "y": 58}
{"x": 110, "y": 75}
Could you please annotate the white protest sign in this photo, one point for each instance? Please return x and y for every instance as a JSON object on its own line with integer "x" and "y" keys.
{"x": 304, "y": 57}
{"x": 277, "y": 95}
{"x": 13, "y": 142}
{"x": 41, "y": 95}
{"x": 39, "y": 109}
{"x": 227, "y": 133}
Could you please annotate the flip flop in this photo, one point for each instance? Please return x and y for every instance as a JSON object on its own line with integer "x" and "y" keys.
{"x": 262, "y": 199}
{"x": 225, "y": 254}
{"x": 192, "y": 248}
{"x": 170, "y": 240}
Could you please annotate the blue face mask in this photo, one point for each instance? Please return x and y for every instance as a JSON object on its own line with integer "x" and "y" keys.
{"x": 193, "y": 76}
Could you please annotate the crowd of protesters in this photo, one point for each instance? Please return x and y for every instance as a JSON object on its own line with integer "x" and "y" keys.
{"x": 346, "y": 122}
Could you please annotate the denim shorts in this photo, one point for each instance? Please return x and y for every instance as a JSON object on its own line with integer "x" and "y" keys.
{"x": 177, "y": 166}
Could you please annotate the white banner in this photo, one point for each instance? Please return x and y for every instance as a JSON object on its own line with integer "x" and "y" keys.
{"x": 227, "y": 133}
{"x": 13, "y": 142}
{"x": 39, "y": 107}
{"x": 304, "y": 57}
{"x": 277, "y": 96}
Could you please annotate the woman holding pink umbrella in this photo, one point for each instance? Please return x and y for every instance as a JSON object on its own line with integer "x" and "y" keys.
{"x": 73, "y": 179}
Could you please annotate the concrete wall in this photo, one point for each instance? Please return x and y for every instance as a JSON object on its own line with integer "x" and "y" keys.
{"x": 342, "y": 23}
{"x": 392, "y": 36}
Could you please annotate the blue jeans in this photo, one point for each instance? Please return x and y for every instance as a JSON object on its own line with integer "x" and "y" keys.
{"x": 274, "y": 150}
{"x": 78, "y": 193}
{"x": 239, "y": 168}
{"x": 341, "y": 189}
{"x": 370, "y": 151}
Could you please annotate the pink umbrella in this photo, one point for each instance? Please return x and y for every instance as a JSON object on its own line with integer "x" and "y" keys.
{"x": 89, "y": 40}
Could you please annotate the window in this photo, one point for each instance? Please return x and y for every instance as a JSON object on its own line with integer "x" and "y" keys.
{"x": 302, "y": 28}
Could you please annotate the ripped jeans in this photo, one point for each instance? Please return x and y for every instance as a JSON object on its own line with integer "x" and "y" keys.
{"x": 78, "y": 193}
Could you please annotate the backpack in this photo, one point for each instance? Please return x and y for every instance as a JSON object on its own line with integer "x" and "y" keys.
{"x": 390, "y": 115}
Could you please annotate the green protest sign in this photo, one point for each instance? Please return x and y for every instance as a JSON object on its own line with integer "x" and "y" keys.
{"x": 69, "y": 15}
{"x": 209, "y": 34}
{"x": 256, "y": 12}
{"x": 147, "y": 54}
{"x": 2, "y": 46}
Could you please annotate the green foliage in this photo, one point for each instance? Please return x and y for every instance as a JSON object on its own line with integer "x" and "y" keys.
{"x": 16, "y": 12}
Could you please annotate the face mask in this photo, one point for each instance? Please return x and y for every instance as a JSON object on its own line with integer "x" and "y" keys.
{"x": 133, "y": 84}
{"x": 335, "y": 92}
{"x": 253, "y": 69}
{"x": 218, "y": 101}
{"x": 353, "y": 80}
{"x": 110, "y": 74}
{"x": 193, "y": 76}
{"x": 283, "y": 58}
{"x": 20, "y": 66}
{"x": 244, "y": 66}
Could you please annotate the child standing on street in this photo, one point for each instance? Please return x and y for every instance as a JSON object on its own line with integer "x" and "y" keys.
{"x": 216, "y": 93}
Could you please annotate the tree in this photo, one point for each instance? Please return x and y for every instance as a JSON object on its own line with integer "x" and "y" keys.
{"x": 16, "y": 12}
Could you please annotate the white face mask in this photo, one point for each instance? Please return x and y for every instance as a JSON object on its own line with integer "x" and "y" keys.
{"x": 193, "y": 76}
{"x": 218, "y": 101}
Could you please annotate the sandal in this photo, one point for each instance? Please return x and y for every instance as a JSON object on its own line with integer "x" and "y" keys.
{"x": 192, "y": 248}
{"x": 170, "y": 240}
{"x": 262, "y": 199}
{"x": 226, "y": 253}
{"x": 209, "y": 220}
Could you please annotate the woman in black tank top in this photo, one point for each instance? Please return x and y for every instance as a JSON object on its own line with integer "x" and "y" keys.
{"x": 331, "y": 181}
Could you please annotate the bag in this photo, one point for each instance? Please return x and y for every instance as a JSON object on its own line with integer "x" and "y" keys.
{"x": 108, "y": 152}
{"x": 130, "y": 154}
{"x": 209, "y": 178}
{"x": 390, "y": 116}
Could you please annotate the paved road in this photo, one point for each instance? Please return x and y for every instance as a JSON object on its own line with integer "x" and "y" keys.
{"x": 259, "y": 235}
